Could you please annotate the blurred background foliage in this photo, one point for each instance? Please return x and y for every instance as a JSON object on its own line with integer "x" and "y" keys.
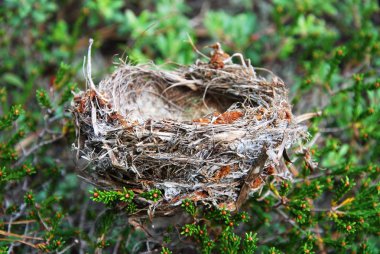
{"x": 326, "y": 51}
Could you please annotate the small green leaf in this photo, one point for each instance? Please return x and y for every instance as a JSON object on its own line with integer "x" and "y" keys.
{"x": 12, "y": 79}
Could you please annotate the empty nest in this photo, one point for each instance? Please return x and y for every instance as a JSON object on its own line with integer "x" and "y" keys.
{"x": 209, "y": 135}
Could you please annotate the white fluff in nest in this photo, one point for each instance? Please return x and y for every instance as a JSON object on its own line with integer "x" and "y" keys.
{"x": 147, "y": 105}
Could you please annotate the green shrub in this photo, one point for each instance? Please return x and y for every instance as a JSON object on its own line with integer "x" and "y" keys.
{"x": 328, "y": 54}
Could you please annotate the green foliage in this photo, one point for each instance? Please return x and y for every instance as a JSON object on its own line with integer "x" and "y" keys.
{"x": 21, "y": 161}
{"x": 328, "y": 52}
{"x": 189, "y": 207}
{"x": 154, "y": 194}
{"x": 273, "y": 250}
{"x": 7, "y": 120}
{"x": 108, "y": 197}
{"x": 249, "y": 243}
{"x": 207, "y": 222}
{"x": 165, "y": 251}
{"x": 16, "y": 174}
{"x": 162, "y": 34}
{"x": 43, "y": 98}
{"x": 112, "y": 197}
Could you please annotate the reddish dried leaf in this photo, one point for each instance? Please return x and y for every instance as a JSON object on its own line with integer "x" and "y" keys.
{"x": 217, "y": 60}
{"x": 229, "y": 117}
{"x": 270, "y": 170}
{"x": 222, "y": 172}
{"x": 260, "y": 113}
{"x": 82, "y": 105}
{"x": 259, "y": 117}
{"x": 218, "y": 57}
{"x": 228, "y": 206}
{"x": 202, "y": 121}
{"x": 175, "y": 199}
{"x": 199, "y": 195}
{"x": 256, "y": 183}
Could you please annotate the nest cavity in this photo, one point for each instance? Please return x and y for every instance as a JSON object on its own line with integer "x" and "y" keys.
{"x": 209, "y": 135}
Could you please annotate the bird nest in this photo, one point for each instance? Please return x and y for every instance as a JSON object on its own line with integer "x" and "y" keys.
{"x": 199, "y": 133}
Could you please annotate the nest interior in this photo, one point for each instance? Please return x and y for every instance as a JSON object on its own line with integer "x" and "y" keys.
{"x": 199, "y": 133}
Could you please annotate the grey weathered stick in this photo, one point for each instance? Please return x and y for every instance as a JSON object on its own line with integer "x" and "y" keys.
{"x": 252, "y": 175}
